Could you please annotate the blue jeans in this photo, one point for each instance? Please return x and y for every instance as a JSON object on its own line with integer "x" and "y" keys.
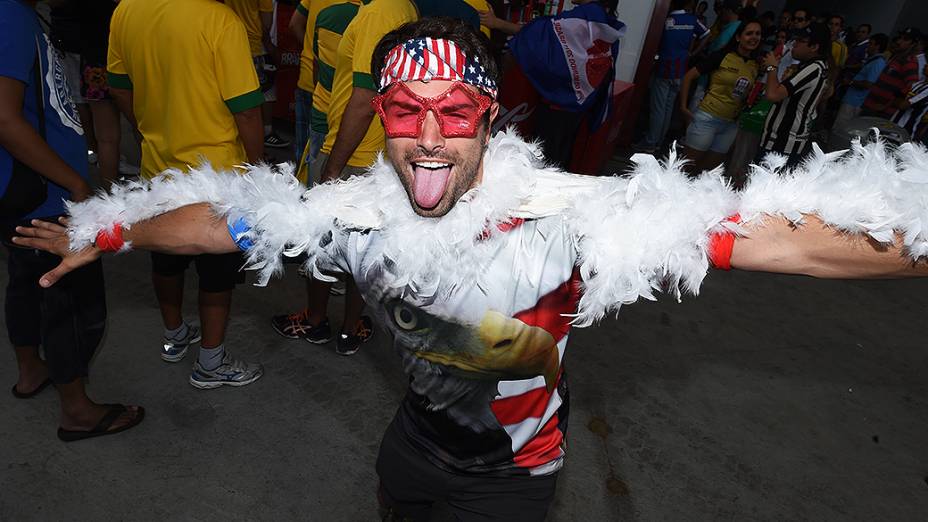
{"x": 316, "y": 139}
{"x": 663, "y": 96}
{"x": 303, "y": 101}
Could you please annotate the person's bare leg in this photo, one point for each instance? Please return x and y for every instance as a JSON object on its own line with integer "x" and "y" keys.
{"x": 78, "y": 412}
{"x": 107, "y": 130}
{"x": 709, "y": 161}
{"x": 317, "y": 300}
{"x": 170, "y": 293}
{"x": 214, "y": 316}
{"x": 354, "y": 305}
{"x": 267, "y": 117}
{"x": 32, "y": 369}
{"x": 695, "y": 158}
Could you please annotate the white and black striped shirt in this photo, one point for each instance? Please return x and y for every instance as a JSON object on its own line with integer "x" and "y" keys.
{"x": 789, "y": 122}
{"x": 911, "y": 118}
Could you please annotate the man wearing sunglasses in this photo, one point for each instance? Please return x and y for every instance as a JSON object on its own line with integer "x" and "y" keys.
{"x": 800, "y": 20}
{"x": 473, "y": 253}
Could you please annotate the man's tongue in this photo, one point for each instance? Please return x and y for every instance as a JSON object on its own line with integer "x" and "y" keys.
{"x": 429, "y": 185}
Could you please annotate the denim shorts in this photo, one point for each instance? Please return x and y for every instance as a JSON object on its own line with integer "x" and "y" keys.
{"x": 708, "y": 132}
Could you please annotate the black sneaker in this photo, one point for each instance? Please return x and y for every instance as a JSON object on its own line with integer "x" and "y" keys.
{"x": 274, "y": 141}
{"x": 349, "y": 344}
{"x": 292, "y": 326}
{"x": 319, "y": 334}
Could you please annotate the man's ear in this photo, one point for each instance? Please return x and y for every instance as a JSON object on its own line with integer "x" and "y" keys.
{"x": 494, "y": 112}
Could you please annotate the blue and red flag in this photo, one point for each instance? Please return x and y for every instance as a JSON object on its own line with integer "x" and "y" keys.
{"x": 570, "y": 58}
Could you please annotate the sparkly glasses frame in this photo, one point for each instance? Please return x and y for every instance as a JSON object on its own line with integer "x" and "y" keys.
{"x": 403, "y": 127}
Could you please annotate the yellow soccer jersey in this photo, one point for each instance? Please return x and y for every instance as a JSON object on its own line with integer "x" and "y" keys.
{"x": 353, "y": 69}
{"x": 839, "y": 53}
{"x": 331, "y": 23}
{"x": 310, "y": 9}
{"x": 189, "y": 66}
{"x": 481, "y": 5}
{"x": 731, "y": 77}
{"x": 250, "y": 13}
{"x": 330, "y": 26}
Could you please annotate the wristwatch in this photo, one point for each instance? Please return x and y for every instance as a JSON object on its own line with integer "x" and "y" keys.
{"x": 770, "y": 68}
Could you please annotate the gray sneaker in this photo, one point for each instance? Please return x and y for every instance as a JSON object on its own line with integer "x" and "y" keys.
{"x": 232, "y": 372}
{"x": 173, "y": 350}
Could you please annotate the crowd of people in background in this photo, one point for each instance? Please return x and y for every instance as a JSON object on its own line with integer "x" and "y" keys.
{"x": 755, "y": 83}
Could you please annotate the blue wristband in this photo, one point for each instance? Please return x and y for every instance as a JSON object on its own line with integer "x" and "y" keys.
{"x": 239, "y": 230}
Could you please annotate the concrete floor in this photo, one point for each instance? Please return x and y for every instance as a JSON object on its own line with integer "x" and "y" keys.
{"x": 766, "y": 398}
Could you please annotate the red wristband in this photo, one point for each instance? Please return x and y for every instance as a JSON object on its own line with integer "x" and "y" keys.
{"x": 721, "y": 245}
{"x": 110, "y": 239}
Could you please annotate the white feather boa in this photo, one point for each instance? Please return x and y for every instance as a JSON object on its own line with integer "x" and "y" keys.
{"x": 635, "y": 234}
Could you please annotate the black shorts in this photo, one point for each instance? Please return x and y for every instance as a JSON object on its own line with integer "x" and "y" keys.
{"x": 67, "y": 319}
{"x": 217, "y": 272}
{"x": 410, "y": 484}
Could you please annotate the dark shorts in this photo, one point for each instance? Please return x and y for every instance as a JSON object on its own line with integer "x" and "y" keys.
{"x": 792, "y": 160}
{"x": 410, "y": 485}
{"x": 67, "y": 320}
{"x": 557, "y": 131}
{"x": 217, "y": 272}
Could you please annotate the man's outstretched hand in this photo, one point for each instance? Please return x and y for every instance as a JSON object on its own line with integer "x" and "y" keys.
{"x": 53, "y": 238}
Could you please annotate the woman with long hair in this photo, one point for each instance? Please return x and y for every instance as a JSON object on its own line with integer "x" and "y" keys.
{"x": 712, "y": 127}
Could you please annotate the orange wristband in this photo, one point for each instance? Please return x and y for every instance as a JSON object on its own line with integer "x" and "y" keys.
{"x": 721, "y": 245}
{"x": 110, "y": 240}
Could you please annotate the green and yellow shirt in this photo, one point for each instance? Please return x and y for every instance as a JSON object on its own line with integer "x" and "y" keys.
{"x": 731, "y": 77}
{"x": 189, "y": 65}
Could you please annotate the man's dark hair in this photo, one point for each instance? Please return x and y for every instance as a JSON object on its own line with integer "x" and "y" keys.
{"x": 805, "y": 11}
{"x": 472, "y": 42}
{"x": 676, "y": 5}
{"x": 821, "y": 36}
{"x": 881, "y": 41}
{"x": 868, "y": 26}
{"x": 748, "y": 13}
{"x": 839, "y": 17}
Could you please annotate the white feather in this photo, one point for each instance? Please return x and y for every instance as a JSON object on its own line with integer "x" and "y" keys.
{"x": 634, "y": 235}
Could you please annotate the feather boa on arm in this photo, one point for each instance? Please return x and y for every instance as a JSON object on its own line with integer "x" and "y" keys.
{"x": 286, "y": 219}
{"x": 634, "y": 235}
{"x": 650, "y": 231}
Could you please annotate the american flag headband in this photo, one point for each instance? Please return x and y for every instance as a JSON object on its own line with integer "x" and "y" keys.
{"x": 426, "y": 59}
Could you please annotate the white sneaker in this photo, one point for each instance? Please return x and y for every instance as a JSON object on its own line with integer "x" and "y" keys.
{"x": 174, "y": 350}
{"x": 231, "y": 372}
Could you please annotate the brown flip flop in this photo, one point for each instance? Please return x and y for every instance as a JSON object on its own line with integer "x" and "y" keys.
{"x": 102, "y": 427}
{"x": 20, "y": 395}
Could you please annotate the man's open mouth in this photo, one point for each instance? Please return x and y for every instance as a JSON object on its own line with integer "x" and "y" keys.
{"x": 430, "y": 180}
